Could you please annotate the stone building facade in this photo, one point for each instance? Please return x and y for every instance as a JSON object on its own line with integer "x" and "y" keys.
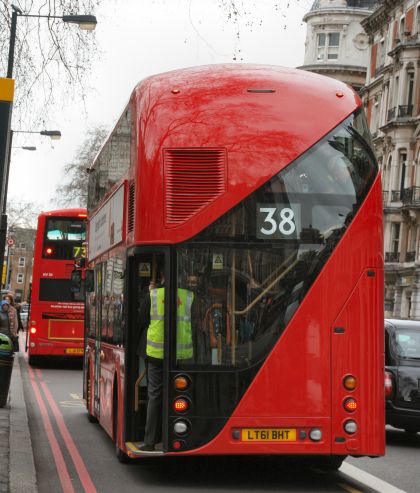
{"x": 392, "y": 100}
{"x": 336, "y": 44}
{"x": 19, "y": 262}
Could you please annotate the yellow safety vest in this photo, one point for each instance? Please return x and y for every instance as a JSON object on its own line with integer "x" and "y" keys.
{"x": 155, "y": 331}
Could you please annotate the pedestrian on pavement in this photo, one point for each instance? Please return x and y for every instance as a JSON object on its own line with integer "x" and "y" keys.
{"x": 13, "y": 314}
{"x": 5, "y": 327}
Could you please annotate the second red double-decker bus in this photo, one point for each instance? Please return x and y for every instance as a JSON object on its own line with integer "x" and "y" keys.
{"x": 55, "y": 323}
{"x": 255, "y": 192}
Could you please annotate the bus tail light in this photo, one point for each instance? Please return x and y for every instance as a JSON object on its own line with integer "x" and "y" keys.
{"x": 350, "y": 404}
{"x": 33, "y": 330}
{"x": 389, "y": 384}
{"x": 181, "y": 405}
{"x": 349, "y": 382}
{"x": 49, "y": 251}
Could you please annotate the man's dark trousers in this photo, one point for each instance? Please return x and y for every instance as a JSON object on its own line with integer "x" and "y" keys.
{"x": 154, "y": 406}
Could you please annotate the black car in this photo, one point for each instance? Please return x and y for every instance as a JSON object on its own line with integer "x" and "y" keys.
{"x": 402, "y": 374}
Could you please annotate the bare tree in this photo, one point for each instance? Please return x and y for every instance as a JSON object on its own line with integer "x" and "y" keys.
{"x": 52, "y": 58}
{"x": 74, "y": 191}
{"x": 22, "y": 214}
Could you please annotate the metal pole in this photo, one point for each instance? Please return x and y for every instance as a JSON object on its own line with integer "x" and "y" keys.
{"x": 12, "y": 42}
{"x": 7, "y": 170}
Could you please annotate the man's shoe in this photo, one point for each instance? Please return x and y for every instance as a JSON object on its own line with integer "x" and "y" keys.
{"x": 147, "y": 448}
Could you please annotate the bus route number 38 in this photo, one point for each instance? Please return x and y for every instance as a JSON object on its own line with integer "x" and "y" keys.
{"x": 276, "y": 221}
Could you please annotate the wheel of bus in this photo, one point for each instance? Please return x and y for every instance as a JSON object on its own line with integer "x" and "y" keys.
{"x": 329, "y": 462}
{"x": 33, "y": 360}
{"x": 121, "y": 456}
{"x": 91, "y": 417}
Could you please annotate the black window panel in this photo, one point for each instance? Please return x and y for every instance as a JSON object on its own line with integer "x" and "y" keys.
{"x": 58, "y": 290}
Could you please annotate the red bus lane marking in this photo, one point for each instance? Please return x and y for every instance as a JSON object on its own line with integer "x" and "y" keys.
{"x": 81, "y": 469}
{"x": 55, "y": 447}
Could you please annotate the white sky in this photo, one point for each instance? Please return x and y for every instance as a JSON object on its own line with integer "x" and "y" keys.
{"x": 137, "y": 38}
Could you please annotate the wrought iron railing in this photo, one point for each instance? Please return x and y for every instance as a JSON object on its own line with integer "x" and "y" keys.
{"x": 410, "y": 256}
{"x": 411, "y": 196}
{"x": 405, "y": 110}
{"x": 384, "y": 198}
{"x": 391, "y": 113}
{"x": 395, "y": 195}
{"x": 392, "y": 256}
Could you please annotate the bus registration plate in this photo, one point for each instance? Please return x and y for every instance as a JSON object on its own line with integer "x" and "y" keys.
{"x": 268, "y": 435}
{"x": 74, "y": 350}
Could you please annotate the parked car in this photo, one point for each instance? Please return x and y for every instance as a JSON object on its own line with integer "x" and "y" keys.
{"x": 402, "y": 374}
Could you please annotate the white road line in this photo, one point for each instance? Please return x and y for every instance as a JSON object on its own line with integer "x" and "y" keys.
{"x": 368, "y": 479}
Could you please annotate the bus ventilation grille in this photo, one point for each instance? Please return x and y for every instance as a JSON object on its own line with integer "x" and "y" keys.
{"x": 130, "y": 215}
{"x": 193, "y": 179}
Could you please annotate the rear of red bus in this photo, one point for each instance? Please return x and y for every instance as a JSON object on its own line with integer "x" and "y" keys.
{"x": 55, "y": 326}
{"x": 258, "y": 190}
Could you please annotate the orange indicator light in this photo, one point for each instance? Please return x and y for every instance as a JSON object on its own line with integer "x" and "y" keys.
{"x": 181, "y": 383}
{"x": 175, "y": 91}
{"x": 349, "y": 382}
{"x": 339, "y": 94}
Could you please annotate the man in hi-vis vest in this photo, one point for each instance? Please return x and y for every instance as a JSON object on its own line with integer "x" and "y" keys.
{"x": 155, "y": 352}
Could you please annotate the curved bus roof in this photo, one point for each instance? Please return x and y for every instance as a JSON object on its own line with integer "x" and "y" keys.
{"x": 74, "y": 212}
{"x": 240, "y": 124}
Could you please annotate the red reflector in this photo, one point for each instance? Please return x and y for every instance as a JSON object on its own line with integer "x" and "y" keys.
{"x": 177, "y": 445}
{"x": 350, "y": 405}
{"x": 388, "y": 384}
{"x": 180, "y": 405}
{"x": 33, "y": 330}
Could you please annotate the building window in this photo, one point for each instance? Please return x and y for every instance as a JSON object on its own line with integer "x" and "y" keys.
{"x": 402, "y": 28}
{"x": 410, "y": 88}
{"x": 395, "y": 237}
{"x": 19, "y": 279}
{"x": 418, "y": 19}
{"x": 328, "y": 44}
{"x": 22, "y": 245}
{"x": 21, "y": 261}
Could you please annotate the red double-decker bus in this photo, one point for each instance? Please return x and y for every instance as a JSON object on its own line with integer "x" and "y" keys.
{"x": 56, "y": 318}
{"x": 257, "y": 192}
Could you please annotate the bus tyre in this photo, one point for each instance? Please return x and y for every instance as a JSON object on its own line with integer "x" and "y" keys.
{"x": 91, "y": 417}
{"x": 32, "y": 360}
{"x": 330, "y": 462}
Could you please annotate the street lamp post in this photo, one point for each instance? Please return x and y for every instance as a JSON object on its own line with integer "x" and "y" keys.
{"x": 86, "y": 22}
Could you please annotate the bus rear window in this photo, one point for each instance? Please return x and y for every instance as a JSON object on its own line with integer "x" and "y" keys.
{"x": 58, "y": 290}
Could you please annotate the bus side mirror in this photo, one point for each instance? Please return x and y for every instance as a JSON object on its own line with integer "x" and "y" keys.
{"x": 89, "y": 281}
{"x": 76, "y": 281}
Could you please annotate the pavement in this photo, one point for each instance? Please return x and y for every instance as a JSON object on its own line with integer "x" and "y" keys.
{"x": 17, "y": 468}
